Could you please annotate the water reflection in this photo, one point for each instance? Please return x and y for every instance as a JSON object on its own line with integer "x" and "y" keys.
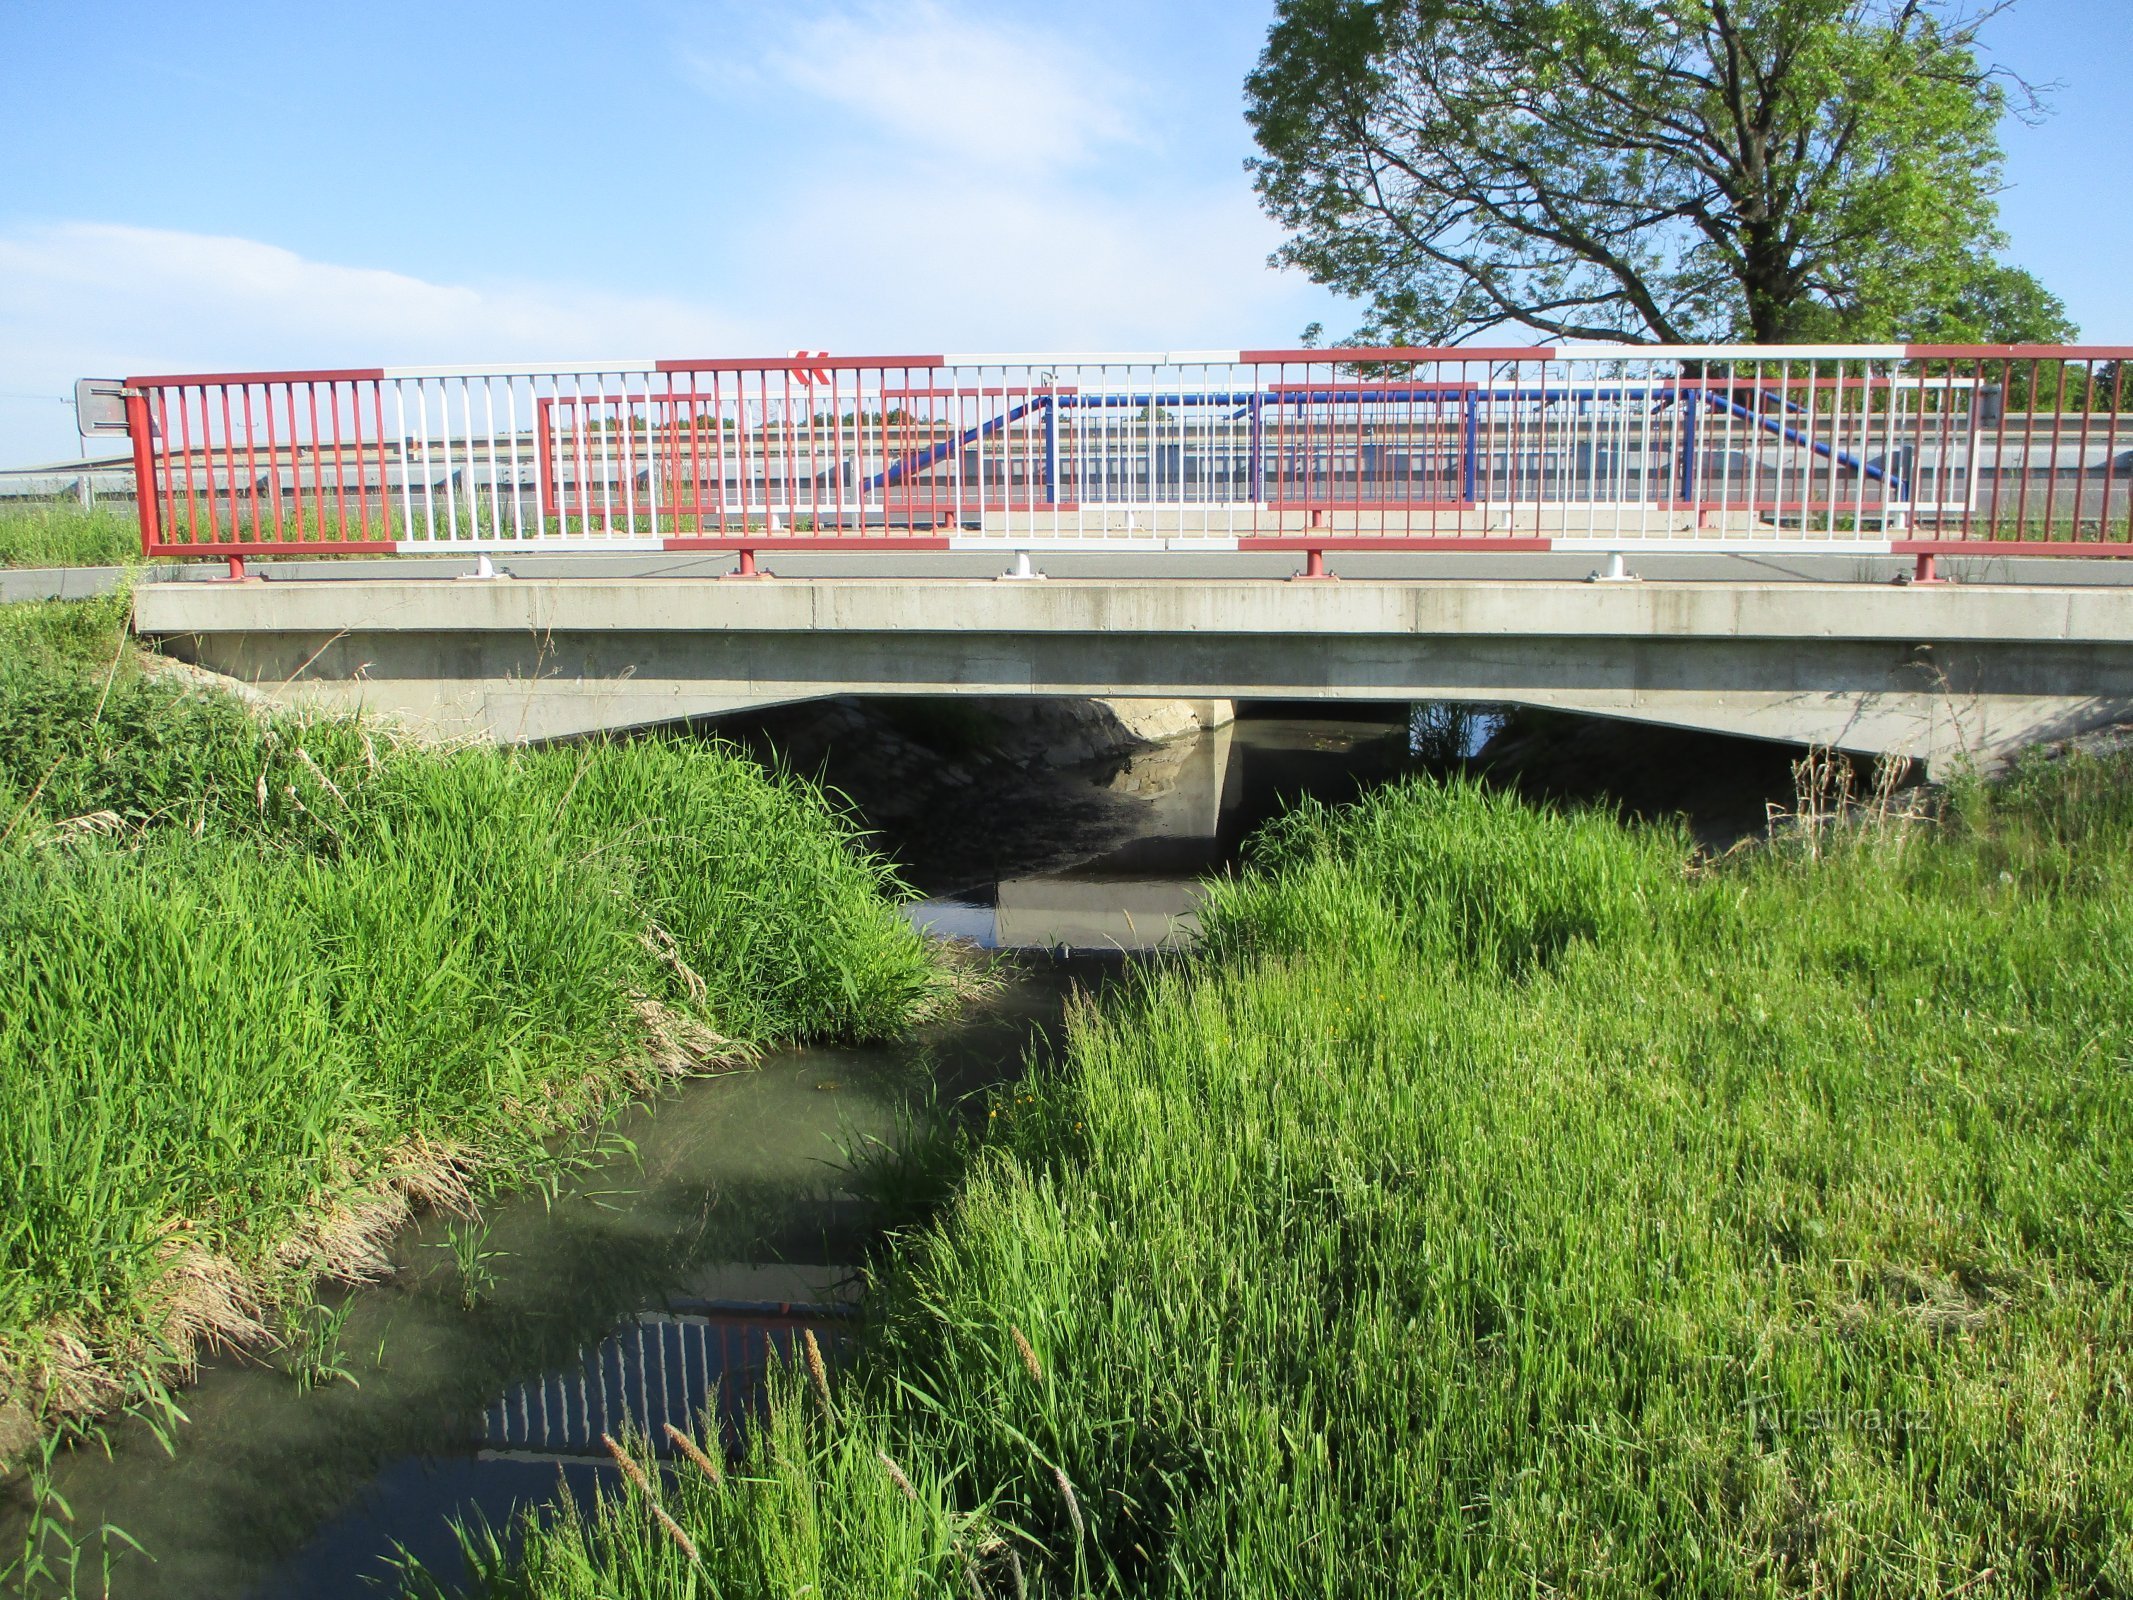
{"x": 662, "y": 1281}
{"x": 660, "y": 1369}
{"x": 1201, "y": 797}
{"x": 1094, "y": 912}
{"x": 541, "y": 1441}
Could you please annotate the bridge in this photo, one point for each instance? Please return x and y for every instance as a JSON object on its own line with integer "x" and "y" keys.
{"x": 1156, "y": 489}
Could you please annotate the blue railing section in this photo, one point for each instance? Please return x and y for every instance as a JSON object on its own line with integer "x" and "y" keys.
{"x": 1769, "y": 413}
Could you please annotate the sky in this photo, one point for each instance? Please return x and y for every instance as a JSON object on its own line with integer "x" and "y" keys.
{"x": 220, "y": 185}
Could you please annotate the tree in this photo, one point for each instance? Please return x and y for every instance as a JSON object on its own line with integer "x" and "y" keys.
{"x": 1648, "y": 170}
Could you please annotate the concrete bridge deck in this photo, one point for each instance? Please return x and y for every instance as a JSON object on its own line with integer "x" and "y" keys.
{"x": 1936, "y": 672}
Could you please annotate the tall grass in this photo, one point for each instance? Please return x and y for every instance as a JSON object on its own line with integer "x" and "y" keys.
{"x": 62, "y": 534}
{"x": 247, "y": 963}
{"x": 1505, "y": 1203}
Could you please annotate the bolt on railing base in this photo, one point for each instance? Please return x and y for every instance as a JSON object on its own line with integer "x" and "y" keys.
{"x": 747, "y": 568}
{"x": 1314, "y": 569}
{"x": 1022, "y": 570}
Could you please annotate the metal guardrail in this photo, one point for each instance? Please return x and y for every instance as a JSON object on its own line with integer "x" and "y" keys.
{"x": 1866, "y": 449}
{"x": 82, "y": 481}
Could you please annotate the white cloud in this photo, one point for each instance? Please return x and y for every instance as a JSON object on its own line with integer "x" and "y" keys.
{"x": 1033, "y": 266}
{"x": 90, "y": 299}
{"x": 1036, "y": 268}
{"x": 147, "y": 290}
{"x": 984, "y": 93}
{"x": 919, "y": 176}
{"x": 1005, "y": 199}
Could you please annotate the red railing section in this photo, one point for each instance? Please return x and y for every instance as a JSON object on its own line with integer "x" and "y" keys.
{"x": 1908, "y": 449}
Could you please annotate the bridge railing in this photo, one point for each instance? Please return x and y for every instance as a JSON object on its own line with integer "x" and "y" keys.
{"x": 1864, "y": 448}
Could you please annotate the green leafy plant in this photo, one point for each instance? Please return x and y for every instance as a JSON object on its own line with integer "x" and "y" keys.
{"x": 62, "y": 534}
{"x": 53, "y": 1558}
{"x": 1653, "y": 170}
{"x": 311, "y": 1342}
{"x": 467, "y": 1241}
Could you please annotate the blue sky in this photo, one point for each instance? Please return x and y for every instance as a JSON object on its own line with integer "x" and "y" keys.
{"x": 231, "y": 185}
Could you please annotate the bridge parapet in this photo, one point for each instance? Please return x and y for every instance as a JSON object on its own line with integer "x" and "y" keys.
{"x": 1913, "y": 450}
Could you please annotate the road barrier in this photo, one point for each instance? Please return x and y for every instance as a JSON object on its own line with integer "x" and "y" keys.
{"x": 1865, "y": 449}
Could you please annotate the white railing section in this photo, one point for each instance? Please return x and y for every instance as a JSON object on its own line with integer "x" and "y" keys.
{"x": 1862, "y": 448}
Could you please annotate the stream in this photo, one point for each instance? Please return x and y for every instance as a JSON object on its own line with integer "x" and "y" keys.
{"x": 688, "y": 1250}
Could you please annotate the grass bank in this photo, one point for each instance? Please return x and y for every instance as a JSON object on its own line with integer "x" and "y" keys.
{"x": 1505, "y": 1202}
{"x": 267, "y": 980}
{"x": 61, "y": 534}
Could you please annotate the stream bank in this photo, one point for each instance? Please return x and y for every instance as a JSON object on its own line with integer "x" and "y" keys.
{"x": 960, "y": 789}
{"x": 476, "y": 1376}
{"x": 728, "y": 1224}
{"x": 723, "y": 1215}
{"x": 267, "y": 980}
{"x": 1504, "y": 1198}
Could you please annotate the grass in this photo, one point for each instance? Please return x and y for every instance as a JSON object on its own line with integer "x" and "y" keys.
{"x": 63, "y": 534}
{"x": 311, "y": 1340}
{"x": 468, "y": 1241}
{"x": 1505, "y": 1202}
{"x": 256, "y": 971}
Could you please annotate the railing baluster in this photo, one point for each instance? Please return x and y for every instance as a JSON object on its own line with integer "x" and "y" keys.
{"x": 1705, "y": 447}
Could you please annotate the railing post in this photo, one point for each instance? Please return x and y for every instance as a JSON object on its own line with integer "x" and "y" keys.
{"x": 1469, "y": 450}
{"x": 1315, "y": 556}
{"x": 1689, "y": 474}
{"x": 747, "y": 567}
{"x": 1051, "y": 448}
{"x": 140, "y": 429}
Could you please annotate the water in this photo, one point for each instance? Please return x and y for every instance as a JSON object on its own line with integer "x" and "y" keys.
{"x": 661, "y": 1277}
{"x": 1199, "y": 800}
{"x": 655, "y": 1273}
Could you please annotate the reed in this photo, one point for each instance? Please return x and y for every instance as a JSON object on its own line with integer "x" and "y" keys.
{"x": 818, "y": 1374}
{"x": 255, "y": 968}
{"x": 1028, "y": 1355}
{"x": 1506, "y": 1201}
{"x": 695, "y": 1453}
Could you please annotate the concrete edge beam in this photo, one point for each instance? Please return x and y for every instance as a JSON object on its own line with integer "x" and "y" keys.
{"x": 1390, "y": 607}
